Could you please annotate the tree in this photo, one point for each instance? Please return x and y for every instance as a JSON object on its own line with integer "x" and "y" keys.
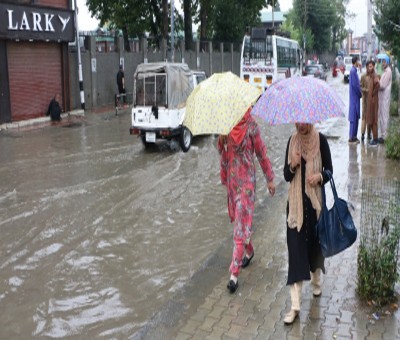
{"x": 133, "y": 17}
{"x": 188, "y": 23}
{"x": 339, "y": 31}
{"x": 297, "y": 32}
{"x": 129, "y": 16}
{"x": 387, "y": 19}
{"x": 232, "y": 17}
{"x": 324, "y": 19}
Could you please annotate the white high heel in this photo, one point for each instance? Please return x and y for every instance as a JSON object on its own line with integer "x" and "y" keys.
{"x": 291, "y": 316}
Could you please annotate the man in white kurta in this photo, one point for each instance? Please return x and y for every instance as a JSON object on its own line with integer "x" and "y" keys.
{"x": 384, "y": 99}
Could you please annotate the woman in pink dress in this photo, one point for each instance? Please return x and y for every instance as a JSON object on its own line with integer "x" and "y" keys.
{"x": 238, "y": 174}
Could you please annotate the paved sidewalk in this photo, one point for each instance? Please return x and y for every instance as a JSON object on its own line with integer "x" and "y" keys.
{"x": 206, "y": 310}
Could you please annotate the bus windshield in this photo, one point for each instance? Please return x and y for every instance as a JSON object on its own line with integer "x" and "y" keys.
{"x": 267, "y": 57}
{"x": 255, "y": 50}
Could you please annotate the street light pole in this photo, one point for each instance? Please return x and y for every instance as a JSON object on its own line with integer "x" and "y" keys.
{"x": 172, "y": 31}
{"x": 82, "y": 94}
{"x": 369, "y": 33}
{"x": 273, "y": 21}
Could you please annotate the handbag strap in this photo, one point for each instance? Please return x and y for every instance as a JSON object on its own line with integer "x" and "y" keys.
{"x": 332, "y": 182}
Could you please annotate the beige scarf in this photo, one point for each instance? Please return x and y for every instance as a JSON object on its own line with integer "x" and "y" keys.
{"x": 310, "y": 150}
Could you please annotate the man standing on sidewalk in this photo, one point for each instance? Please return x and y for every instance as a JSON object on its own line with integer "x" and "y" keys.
{"x": 354, "y": 107}
{"x": 364, "y": 89}
{"x": 372, "y": 102}
{"x": 384, "y": 99}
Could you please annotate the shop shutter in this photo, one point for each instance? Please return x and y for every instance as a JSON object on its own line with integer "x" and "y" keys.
{"x": 35, "y": 77}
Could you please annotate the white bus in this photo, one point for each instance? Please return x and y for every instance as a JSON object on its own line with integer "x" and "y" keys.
{"x": 267, "y": 57}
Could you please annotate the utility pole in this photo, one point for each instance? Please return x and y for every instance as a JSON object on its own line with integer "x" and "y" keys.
{"x": 82, "y": 94}
{"x": 369, "y": 32}
{"x": 172, "y": 31}
{"x": 273, "y": 21}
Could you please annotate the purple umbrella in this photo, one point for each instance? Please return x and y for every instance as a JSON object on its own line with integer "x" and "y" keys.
{"x": 298, "y": 100}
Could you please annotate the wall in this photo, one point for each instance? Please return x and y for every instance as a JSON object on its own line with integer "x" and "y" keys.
{"x": 100, "y": 87}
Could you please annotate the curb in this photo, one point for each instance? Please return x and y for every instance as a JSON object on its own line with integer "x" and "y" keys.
{"x": 39, "y": 120}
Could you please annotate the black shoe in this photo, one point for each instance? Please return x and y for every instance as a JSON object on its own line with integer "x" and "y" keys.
{"x": 369, "y": 136}
{"x": 246, "y": 260}
{"x": 232, "y": 286}
{"x": 373, "y": 143}
{"x": 362, "y": 137}
{"x": 353, "y": 141}
{"x": 381, "y": 140}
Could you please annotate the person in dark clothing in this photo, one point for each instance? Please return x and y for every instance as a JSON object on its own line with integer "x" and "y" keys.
{"x": 121, "y": 83}
{"x": 307, "y": 158}
{"x": 54, "y": 110}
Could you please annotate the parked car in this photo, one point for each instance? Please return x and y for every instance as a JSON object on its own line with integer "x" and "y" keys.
{"x": 315, "y": 70}
{"x": 160, "y": 91}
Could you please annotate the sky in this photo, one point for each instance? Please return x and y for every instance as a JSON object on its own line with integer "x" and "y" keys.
{"x": 358, "y": 25}
{"x": 85, "y": 21}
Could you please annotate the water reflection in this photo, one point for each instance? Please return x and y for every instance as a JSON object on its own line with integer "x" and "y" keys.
{"x": 353, "y": 182}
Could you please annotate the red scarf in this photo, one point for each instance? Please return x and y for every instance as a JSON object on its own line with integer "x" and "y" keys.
{"x": 239, "y": 131}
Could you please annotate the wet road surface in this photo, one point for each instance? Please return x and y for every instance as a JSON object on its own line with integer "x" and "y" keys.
{"x": 99, "y": 234}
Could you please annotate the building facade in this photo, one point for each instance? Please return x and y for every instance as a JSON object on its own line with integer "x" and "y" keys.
{"x": 34, "y": 36}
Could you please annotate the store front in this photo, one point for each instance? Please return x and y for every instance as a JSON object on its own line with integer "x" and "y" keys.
{"x": 34, "y": 57}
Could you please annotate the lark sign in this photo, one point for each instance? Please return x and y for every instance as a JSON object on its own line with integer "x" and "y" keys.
{"x": 36, "y": 23}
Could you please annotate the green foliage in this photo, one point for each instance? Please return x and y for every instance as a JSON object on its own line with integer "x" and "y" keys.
{"x": 231, "y": 17}
{"x": 387, "y": 28}
{"x": 324, "y": 18}
{"x": 393, "y": 108}
{"x": 377, "y": 268}
{"x": 296, "y": 33}
{"x": 130, "y": 14}
{"x": 392, "y": 141}
{"x": 223, "y": 20}
{"x": 395, "y": 88}
{"x": 339, "y": 32}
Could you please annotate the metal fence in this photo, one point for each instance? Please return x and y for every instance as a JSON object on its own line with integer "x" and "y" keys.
{"x": 380, "y": 209}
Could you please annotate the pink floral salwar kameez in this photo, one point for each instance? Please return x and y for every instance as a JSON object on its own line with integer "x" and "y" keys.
{"x": 238, "y": 173}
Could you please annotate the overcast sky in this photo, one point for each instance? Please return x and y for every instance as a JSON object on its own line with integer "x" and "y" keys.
{"x": 358, "y": 25}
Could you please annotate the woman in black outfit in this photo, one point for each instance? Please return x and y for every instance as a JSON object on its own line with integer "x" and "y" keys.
{"x": 307, "y": 157}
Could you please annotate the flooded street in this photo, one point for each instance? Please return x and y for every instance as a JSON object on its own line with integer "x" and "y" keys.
{"x": 98, "y": 233}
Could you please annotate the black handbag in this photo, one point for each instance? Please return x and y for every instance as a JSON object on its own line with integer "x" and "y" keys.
{"x": 335, "y": 227}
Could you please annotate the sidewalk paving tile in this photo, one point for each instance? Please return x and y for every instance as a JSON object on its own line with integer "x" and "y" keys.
{"x": 225, "y": 322}
{"x": 216, "y": 312}
{"x": 235, "y": 330}
{"x": 208, "y": 324}
{"x": 217, "y": 333}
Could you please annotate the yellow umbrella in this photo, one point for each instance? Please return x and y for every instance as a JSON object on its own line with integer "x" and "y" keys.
{"x": 218, "y": 103}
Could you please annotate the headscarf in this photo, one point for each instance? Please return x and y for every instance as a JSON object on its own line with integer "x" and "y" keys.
{"x": 309, "y": 146}
{"x": 238, "y": 132}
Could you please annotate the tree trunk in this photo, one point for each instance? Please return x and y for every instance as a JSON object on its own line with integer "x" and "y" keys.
{"x": 203, "y": 20}
{"x": 187, "y": 13}
{"x": 126, "y": 39}
{"x": 165, "y": 19}
{"x": 155, "y": 26}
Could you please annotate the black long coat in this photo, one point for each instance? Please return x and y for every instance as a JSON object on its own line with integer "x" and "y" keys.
{"x": 304, "y": 250}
